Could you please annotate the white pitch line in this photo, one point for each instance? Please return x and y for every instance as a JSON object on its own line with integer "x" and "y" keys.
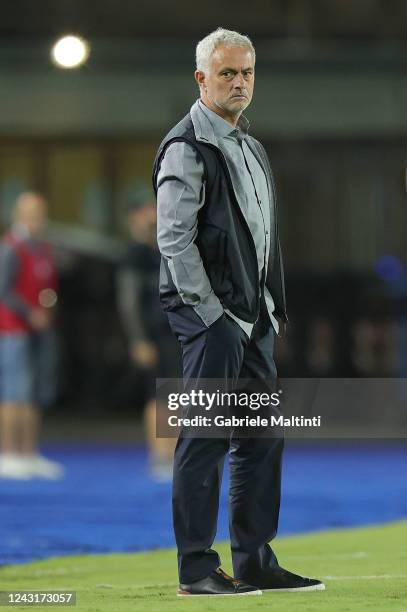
{"x": 354, "y": 555}
{"x": 373, "y": 577}
{"x": 58, "y": 571}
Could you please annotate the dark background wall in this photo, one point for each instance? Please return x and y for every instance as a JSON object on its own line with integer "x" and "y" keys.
{"x": 330, "y": 102}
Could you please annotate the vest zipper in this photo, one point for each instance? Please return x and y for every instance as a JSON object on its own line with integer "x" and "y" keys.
{"x": 251, "y": 240}
{"x": 277, "y": 243}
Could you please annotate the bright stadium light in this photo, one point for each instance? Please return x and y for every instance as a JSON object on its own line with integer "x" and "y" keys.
{"x": 70, "y": 52}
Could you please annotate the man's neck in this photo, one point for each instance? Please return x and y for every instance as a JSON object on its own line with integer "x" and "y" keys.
{"x": 232, "y": 119}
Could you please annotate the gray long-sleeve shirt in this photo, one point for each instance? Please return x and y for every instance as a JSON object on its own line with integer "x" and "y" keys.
{"x": 181, "y": 194}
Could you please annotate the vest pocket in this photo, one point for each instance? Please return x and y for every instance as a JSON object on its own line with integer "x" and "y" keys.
{"x": 211, "y": 242}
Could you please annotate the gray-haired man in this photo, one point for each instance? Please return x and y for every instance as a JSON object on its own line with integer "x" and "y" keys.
{"x": 222, "y": 286}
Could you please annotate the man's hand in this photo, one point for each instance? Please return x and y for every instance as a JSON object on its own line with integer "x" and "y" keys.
{"x": 40, "y": 319}
{"x": 144, "y": 354}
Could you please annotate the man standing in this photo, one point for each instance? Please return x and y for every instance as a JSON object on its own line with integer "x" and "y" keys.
{"x": 28, "y": 285}
{"x": 222, "y": 286}
{"x": 153, "y": 349}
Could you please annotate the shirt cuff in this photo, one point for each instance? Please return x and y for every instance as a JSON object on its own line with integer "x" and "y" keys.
{"x": 209, "y": 309}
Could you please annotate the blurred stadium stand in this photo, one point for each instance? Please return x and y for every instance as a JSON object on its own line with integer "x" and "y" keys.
{"x": 330, "y": 106}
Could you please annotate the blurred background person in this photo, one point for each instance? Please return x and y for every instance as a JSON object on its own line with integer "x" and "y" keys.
{"x": 152, "y": 348}
{"x": 28, "y": 285}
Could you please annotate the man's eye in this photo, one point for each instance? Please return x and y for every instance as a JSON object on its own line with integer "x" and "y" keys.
{"x": 227, "y": 74}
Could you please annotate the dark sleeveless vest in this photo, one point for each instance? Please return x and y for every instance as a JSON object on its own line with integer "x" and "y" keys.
{"x": 224, "y": 239}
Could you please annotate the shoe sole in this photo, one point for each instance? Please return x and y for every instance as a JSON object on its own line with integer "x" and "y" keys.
{"x": 314, "y": 587}
{"x": 186, "y": 594}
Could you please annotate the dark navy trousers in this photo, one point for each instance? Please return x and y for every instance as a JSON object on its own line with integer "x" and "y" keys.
{"x": 223, "y": 350}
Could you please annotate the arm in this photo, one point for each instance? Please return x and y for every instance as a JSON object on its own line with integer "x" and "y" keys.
{"x": 180, "y": 195}
{"x": 129, "y": 284}
{"x": 8, "y": 273}
{"x": 128, "y": 301}
{"x": 38, "y": 318}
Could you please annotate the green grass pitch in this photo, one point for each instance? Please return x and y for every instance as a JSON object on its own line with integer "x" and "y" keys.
{"x": 364, "y": 569}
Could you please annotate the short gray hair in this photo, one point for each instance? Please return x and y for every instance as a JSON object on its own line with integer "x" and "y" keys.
{"x": 207, "y": 45}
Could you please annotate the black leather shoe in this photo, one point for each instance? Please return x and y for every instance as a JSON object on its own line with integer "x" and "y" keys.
{"x": 281, "y": 579}
{"x": 217, "y": 583}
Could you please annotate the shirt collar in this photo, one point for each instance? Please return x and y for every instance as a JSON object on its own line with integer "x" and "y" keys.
{"x": 221, "y": 127}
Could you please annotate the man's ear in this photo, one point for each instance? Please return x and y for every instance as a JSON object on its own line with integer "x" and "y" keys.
{"x": 199, "y": 78}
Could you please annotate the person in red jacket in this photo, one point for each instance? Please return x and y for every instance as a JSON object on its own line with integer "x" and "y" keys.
{"x": 28, "y": 295}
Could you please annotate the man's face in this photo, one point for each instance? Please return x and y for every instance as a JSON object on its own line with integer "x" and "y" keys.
{"x": 31, "y": 212}
{"x": 142, "y": 220}
{"x": 227, "y": 87}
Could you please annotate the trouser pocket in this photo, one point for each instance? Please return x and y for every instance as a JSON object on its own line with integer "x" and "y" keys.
{"x": 185, "y": 323}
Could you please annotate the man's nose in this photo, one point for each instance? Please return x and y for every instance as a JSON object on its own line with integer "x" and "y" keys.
{"x": 238, "y": 81}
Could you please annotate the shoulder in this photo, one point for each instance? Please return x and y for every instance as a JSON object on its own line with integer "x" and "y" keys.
{"x": 181, "y": 160}
{"x": 8, "y": 251}
{"x": 183, "y": 128}
{"x": 180, "y": 151}
{"x": 182, "y": 131}
{"x": 9, "y": 243}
